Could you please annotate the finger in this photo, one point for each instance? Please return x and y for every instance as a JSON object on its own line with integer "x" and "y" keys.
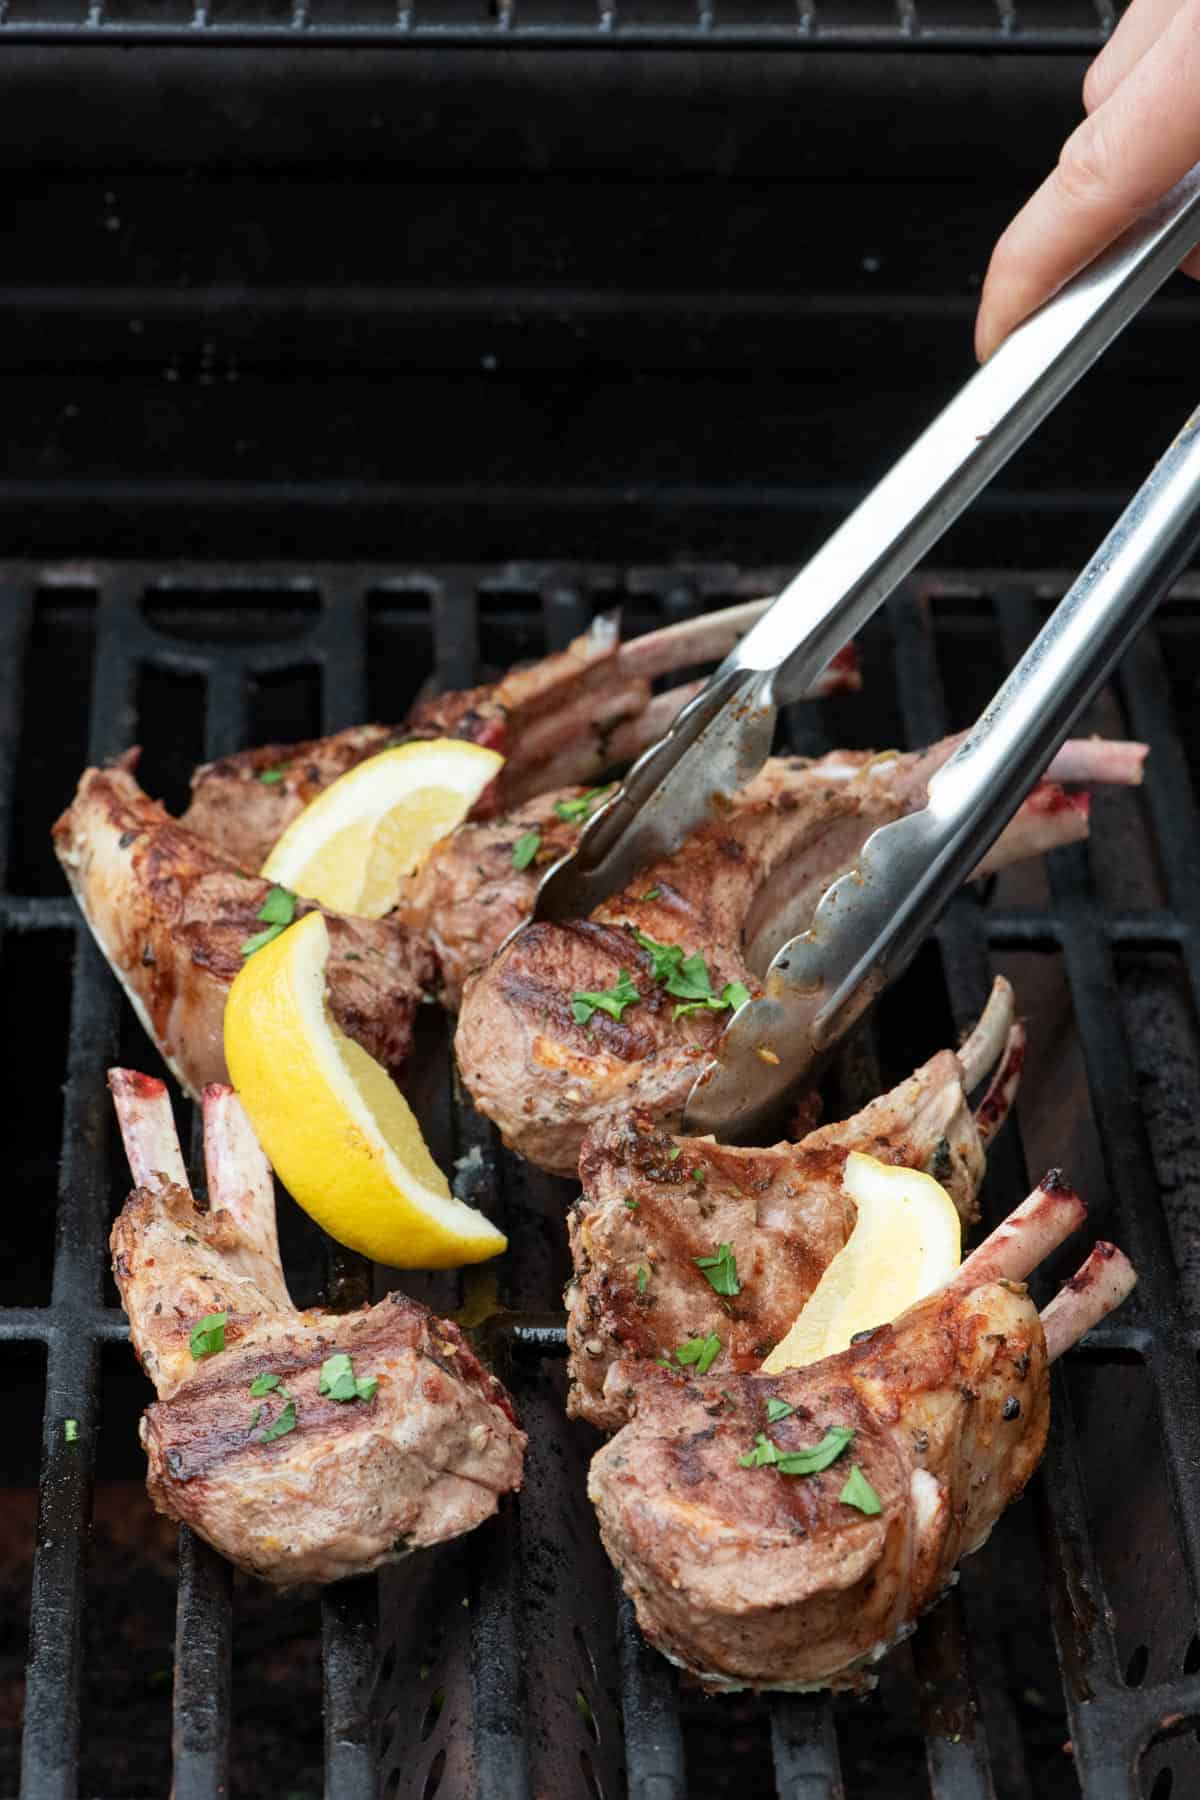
{"x": 1118, "y": 162}
{"x": 1140, "y": 27}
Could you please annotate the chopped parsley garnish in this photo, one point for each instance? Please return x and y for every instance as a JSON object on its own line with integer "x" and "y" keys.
{"x": 778, "y": 1409}
{"x": 611, "y": 1000}
{"x": 632, "y": 1204}
{"x": 765, "y": 1454}
{"x": 339, "y": 1382}
{"x": 208, "y": 1335}
{"x": 71, "y": 1430}
{"x": 675, "y": 1154}
{"x": 687, "y": 977}
{"x": 277, "y": 911}
{"x": 573, "y": 812}
{"x": 698, "y": 1174}
{"x": 859, "y": 1492}
{"x": 263, "y": 1384}
{"x": 525, "y": 849}
{"x": 270, "y": 776}
{"x": 732, "y": 995}
{"x": 282, "y": 1425}
{"x": 703, "y": 1352}
{"x": 652, "y": 893}
{"x": 643, "y": 1278}
{"x": 720, "y": 1270}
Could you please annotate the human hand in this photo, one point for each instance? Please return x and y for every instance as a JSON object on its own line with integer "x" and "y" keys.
{"x": 1141, "y": 134}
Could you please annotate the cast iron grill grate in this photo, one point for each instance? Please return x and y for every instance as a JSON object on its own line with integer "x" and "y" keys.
{"x": 502, "y": 1665}
{"x": 1059, "y": 25}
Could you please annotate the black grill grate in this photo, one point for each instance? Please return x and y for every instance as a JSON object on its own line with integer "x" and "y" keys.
{"x": 1059, "y": 25}
{"x": 502, "y": 1665}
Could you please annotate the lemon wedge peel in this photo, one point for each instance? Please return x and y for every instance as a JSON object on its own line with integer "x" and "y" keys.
{"x": 352, "y": 846}
{"x": 340, "y": 1134}
{"x": 907, "y": 1240}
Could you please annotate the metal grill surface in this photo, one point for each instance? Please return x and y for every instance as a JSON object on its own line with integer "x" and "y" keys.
{"x": 1068, "y": 25}
{"x": 503, "y": 1665}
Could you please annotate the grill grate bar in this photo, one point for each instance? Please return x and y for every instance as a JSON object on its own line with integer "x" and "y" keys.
{"x": 804, "y": 1748}
{"x": 508, "y": 24}
{"x": 650, "y": 1715}
{"x": 203, "y": 1671}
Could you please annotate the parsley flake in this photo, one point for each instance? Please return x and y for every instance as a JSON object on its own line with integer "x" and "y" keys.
{"x": 778, "y": 1409}
{"x": 282, "y": 1425}
{"x": 525, "y": 849}
{"x": 687, "y": 977}
{"x": 279, "y": 907}
{"x": 859, "y": 1492}
{"x": 339, "y": 1382}
{"x": 71, "y": 1430}
{"x": 612, "y": 1000}
{"x": 573, "y": 812}
{"x": 697, "y": 1174}
{"x": 276, "y": 912}
{"x": 263, "y": 1384}
{"x": 720, "y": 1271}
{"x": 643, "y": 1278}
{"x": 703, "y": 1352}
{"x": 652, "y": 893}
{"x": 675, "y": 1154}
{"x": 732, "y": 995}
{"x": 269, "y": 777}
{"x": 811, "y": 1461}
{"x": 632, "y": 1204}
{"x": 208, "y": 1335}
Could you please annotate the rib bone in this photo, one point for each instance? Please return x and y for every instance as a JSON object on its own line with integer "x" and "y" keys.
{"x": 1105, "y": 1279}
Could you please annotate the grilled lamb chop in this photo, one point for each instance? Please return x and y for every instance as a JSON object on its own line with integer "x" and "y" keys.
{"x": 292, "y": 1483}
{"x": 171, "y": 915}
{"x": 752, "y": 1575}
{"x": 652, "y": 1204}
{"x": 559, "y": 722}
{"x": 736, "y": 890}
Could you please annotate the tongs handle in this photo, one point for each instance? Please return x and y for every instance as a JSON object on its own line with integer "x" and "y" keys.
{"x": 971, "y": 439}
{"x": 870, "y": 922}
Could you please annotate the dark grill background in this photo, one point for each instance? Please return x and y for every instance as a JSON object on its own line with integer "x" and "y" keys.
{"x": 501, "y": 1665}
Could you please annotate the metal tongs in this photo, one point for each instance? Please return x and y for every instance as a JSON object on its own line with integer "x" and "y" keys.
{"x": 869, "y": 923}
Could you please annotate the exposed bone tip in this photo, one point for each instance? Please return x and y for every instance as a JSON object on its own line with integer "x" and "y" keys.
{"x": 129, "y": 1081}
{"x": 1055, "y": 1182}
{"x": 214, "y": 1091}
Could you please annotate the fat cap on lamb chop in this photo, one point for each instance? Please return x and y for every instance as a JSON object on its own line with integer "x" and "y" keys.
{"x": 750, "y": 1572}
{"x": 653, "y": 1205}
{"x": 305, "y": 1446}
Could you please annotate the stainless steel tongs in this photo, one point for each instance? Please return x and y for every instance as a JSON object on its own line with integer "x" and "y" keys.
{"x": 869, "y": 923}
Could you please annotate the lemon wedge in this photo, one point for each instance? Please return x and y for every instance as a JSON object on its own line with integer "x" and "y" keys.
{"x": 339, "y": 1132}
{"x": 906, "y": 1241}
{"x": 351, "y": 846}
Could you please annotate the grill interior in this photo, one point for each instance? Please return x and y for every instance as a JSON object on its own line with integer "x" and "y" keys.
{"x": 503, "y": 1665}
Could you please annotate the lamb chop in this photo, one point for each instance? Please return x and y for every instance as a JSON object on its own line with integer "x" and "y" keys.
{"x": 305, "y": 1446}
{"x": 750, "y": 1570}
{"x": 574, "y": 1021}
{"x": 560, "y": 722}
{"x": 654, "y": 1206}
{"x": 172, "y": 916}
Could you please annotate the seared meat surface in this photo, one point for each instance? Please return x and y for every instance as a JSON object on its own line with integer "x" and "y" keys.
{"x": 467, "y": 895}
{"x": 171, "y": 915}
{"x": 735, "y": 891}
{"x": 652, "y": 1204}
{"x": 251, "y": 1441}
{"x": 561, "y": 721}
{"x": 750, "y": 1572}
